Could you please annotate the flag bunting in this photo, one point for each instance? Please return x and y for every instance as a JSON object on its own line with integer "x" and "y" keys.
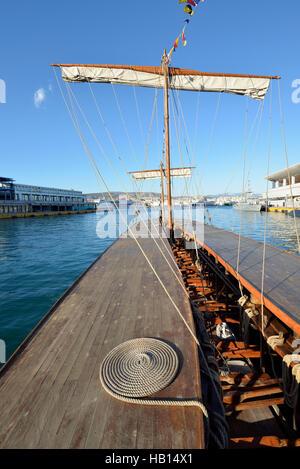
{"x": 188, "y": 8}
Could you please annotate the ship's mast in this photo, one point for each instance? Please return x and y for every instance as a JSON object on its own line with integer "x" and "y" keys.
{"x": 167, "y": 133}
{"x": 162, "y": 191}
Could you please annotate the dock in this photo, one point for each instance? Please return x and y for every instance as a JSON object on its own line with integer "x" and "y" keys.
{"x": 282, "y": 269}
{"x": 284, "y": 210}
{"x": 50, "y": 392}
{"x": 45, "y": 214}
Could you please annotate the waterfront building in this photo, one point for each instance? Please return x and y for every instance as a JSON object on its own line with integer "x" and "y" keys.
{"x": 6, "y": 189}
{"x": 24, "y": 199}
{"x": 285, "y": 185}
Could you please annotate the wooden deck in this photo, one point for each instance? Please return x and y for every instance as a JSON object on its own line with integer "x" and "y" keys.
{"x": 50, "y": 393}
{"x": 282, "y": 270}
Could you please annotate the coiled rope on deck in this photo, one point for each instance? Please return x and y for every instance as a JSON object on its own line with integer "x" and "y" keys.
{"x": 140, "y": 367}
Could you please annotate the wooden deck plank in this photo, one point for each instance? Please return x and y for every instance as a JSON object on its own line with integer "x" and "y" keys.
{"x": 282, "y": 270}
{"x": 48, "y": 393}
{"x": 55, "y": 397}
{"x": 115, "y": 424}
{"x": 81, "y": 422}
{"x": 79, "y": 376}
{"x": 36, "y": 385}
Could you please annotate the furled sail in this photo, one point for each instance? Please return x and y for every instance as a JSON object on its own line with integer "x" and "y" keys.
{"x": 251, "y": 85}
{"x": 156, "y": 173}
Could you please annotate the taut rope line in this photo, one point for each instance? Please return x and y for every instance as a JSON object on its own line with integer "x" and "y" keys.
{"x": 125, "y": 222}
{"x": 243, "y": 188}
{"x": 266, "y": 217}
{"x": 287, "y": 167}
{"x": 116, "y": 174}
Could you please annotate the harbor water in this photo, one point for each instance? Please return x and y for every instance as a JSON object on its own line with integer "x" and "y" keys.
{"x": 41, "y": 257}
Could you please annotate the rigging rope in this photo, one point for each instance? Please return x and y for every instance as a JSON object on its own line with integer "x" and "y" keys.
{"x": 124, "y": 124}
{"x": 139, "y": 116}
{"x": 180, "y": 153}
{"x": 260, "y": 108}
{"x": 266, "y": 217}
{"x": 243, "y": 189}
{"x": 287, "y": 167}
{"x": 196, "y": 122}
{"x": 212, "y": 130}
{"x": 199, "y": 190}
{"x": 75, "y": 122}
{"x": 149, "y": 136}
{"x": 138, "y": 198}
{"x": 191, "y": 161}
{"x": 198, "y": 181}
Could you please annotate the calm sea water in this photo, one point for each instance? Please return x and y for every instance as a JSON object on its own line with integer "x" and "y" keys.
{"x": 41, "y": 257}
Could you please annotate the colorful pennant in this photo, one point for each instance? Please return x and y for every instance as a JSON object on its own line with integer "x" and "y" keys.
{"x": 176, "y": 43}
{"x": 183, "y": 38}
{"x": 189, "y": 10}
{"x": 191, "y": 2}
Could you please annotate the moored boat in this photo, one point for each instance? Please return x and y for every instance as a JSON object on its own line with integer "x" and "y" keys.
{"x": 247, "y": 206}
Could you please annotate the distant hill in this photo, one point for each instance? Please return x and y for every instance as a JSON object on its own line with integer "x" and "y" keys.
{"x": 116, "y": 195}
{"x": 230, "y": 194}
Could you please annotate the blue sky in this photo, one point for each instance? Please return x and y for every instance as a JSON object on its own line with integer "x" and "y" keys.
{"x": 39, "y": 144}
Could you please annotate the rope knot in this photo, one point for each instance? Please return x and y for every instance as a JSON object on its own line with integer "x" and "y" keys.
{"x": 243, "y": 299}
{"x": 275, "y": 340}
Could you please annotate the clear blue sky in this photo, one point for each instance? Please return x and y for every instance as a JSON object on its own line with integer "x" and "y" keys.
{"x": 38, "y": 143}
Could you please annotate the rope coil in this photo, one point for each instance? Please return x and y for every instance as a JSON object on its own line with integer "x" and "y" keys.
{"x": 140, "y": 367}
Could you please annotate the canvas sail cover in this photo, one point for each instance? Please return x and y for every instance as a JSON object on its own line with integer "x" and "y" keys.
{"x": 156, "y": 173}
{"x": 251, "y": 85}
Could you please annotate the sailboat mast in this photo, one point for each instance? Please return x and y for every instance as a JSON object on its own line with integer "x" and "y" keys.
{"x": 167, "y": 133}
{"x": 162, "y": 210}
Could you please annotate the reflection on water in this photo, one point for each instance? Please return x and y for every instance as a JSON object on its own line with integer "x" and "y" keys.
{"x": 39, "y": 259}
{"x": 280, "y": 230}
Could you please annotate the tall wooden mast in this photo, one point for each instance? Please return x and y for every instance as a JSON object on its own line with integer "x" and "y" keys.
{"x": 167, "y": 134}
{"x": 162, "y": 191}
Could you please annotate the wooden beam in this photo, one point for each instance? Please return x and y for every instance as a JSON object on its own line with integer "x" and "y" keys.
{"x": 172, "y": 70}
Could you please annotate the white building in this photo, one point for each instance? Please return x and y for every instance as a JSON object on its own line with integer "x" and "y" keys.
{"x": 24, "y": 192}
{"x": 285, "y": 184}
{"x": 25, "y": 199}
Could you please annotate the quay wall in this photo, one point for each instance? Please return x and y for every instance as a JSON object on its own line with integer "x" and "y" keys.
{"x": 45, "y": 214}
